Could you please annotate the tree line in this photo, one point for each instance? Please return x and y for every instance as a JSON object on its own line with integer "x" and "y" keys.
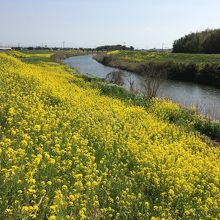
{"x": 114, "y": 47}
{"x": 207, "y": 41}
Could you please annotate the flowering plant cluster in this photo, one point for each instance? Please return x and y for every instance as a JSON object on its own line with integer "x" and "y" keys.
{"x": 67, "y": 152}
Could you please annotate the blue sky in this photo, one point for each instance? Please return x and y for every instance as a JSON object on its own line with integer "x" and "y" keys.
{"x": 90, "y": 23}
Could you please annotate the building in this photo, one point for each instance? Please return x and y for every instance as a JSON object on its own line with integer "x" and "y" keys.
{"x": 5, "y": 48}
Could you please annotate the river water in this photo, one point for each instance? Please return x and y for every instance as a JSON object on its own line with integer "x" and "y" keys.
{"x": 205, "y": 98}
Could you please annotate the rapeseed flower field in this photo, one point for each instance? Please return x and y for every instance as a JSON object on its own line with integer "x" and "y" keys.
{"x": 67, "y": 152}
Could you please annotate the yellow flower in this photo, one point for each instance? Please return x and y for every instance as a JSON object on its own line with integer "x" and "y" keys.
{"x": 52, "y": 217}
{"x": 82, "y": 213}
{"x": 53, "y": 208}
{"x": 24, "y": 143}
{"x": 37, "y": 128}
{"x": 11, "y": 111}
{"x": 49, "y": 183}
{"x": 68, "y": 147}
{"x": 52, "y": 161}
{"x": 64, "y": 187}
{"x": 9, "y": 211}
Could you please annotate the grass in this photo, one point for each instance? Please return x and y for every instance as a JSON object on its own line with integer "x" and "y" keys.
{"x": 141, "y": 56}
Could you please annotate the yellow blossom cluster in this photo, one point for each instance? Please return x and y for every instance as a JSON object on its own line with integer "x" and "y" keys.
{"x": 67, "y": 152}
{"x": 137, "y": 56}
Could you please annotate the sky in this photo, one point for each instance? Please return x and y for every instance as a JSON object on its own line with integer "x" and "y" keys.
{"x": 89, "y": 23}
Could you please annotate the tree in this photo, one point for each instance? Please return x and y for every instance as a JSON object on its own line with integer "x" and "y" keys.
{"x": 115, "y": 77}
{"x": 153, "y": 75}
{"x": 207, "y": 41}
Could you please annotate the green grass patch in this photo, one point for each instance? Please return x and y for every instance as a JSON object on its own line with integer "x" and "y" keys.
{"x": 142, "y": 56}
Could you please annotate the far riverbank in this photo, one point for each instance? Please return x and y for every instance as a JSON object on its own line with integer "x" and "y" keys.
{"x": 196, "y": 68}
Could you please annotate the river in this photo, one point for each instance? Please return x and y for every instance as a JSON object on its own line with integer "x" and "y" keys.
{"x": 206, "y": 99}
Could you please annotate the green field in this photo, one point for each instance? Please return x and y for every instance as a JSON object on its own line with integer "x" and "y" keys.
{"x": 142, "y": 56}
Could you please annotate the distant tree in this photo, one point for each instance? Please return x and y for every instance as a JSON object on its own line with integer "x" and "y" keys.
{"x": 207, "y": 41}
{"x": 30, "y": 48}
{"x": 114, "y": 47}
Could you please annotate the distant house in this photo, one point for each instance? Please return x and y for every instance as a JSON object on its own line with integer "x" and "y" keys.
{"x": 5, "y": 48}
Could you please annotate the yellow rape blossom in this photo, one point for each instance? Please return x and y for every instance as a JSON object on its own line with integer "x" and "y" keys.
{"x": 69, "y": 152}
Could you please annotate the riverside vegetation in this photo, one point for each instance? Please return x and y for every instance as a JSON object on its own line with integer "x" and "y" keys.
{"x": 73, "y": 147}
{"x": 198, "y": 68}
{"x": 207, "y": 41}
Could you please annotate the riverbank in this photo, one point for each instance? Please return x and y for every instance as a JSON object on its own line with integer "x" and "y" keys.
{"x": 38, "y": 56}
{"x": 164, "y": 110}
{"x": 196, "y": 68}
{"x": 76, "y": 147}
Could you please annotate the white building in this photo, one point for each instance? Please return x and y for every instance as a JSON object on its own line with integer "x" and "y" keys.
{"x": 5, "y": 48}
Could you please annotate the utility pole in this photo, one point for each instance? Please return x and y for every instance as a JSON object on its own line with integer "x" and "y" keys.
{"x": 63, "y": 44}
{"x": 162, "y": 46}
